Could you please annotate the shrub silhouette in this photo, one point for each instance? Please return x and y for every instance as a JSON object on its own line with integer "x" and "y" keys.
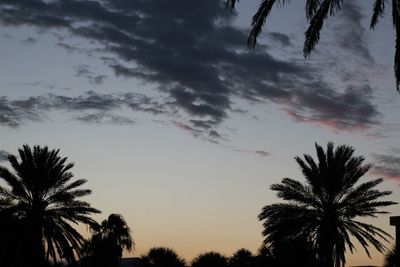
{"x": 162, "y": 257}
{"x": 210, "y": 259}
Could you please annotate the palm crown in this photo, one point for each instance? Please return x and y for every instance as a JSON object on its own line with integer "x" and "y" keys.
{"x": 42, "y": 197}
{"x": 323, "y": 210}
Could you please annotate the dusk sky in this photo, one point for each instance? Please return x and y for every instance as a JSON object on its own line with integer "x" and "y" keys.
{"x": 178, "y": 125}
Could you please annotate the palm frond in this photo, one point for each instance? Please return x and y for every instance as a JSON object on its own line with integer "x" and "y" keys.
{"x": 396, "y": 24}
{"x": 378, "y": 12}
{"x": 312, "y": 35}
{"x": 259, "y": 19}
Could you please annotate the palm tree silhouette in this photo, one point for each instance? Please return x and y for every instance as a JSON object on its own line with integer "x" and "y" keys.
{"x": 392, "y": 258}
{"x": 316, "y": 12}
{"x": 210, "y": 259}
{"x": 162, "y": 257}
{"x": 42, "y": 197}
{"x": 323, "y": 210}
{"x": 108, "y": 241}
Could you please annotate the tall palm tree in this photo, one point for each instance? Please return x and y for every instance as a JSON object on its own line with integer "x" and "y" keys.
{"x": 109, "y": 240}
{"x": 324, "y": 209}
{"x": 41, "y": 195}
{"x": 162, "y": 257}
{"x": 316, "y": 12}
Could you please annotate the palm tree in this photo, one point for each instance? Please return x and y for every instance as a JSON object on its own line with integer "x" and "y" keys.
{"x": 210, "y": 259}
{"x": 41, "y": 196}
{"x": 108, "y": 241}
{"x": 316, "y": 12}
{"x": 392, "y": 258}
{"x": 323, "y": 211}
{"x": 162, "y": 257}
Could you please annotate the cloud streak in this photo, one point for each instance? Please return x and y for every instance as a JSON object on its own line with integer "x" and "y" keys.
{"x": 3, "y": 155}
{"x": 387, "y": 165}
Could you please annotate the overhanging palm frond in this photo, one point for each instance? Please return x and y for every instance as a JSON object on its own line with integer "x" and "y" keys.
{"x": 378, "y": 12}
{"x": 312, "y": 35}
{"x": 259, "y": 19}
{"x": 396, "y": 25}
{"x": 312, "y": 7}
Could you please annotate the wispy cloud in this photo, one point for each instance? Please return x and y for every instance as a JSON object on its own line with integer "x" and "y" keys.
{"x": 3, "y": 155}
{"x": 84, "y": 71}
{"x": 387, "y": 165}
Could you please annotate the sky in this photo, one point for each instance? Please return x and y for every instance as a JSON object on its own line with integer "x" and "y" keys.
{"x": 178, "y": 125}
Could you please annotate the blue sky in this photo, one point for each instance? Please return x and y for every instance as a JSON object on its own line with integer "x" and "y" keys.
{"x": 177, "y": 124}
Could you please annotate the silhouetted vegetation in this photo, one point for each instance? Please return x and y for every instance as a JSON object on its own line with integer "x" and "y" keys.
{"x": 322, "y": 211}
{"x": 107, "y": 243}
{"x": 242, "y": 258}
{"x": 264, "y": 258}
{"x": 41, "y": 202}
{"x": 317, "y": 11}
{"x": 162, "y": 257}
{"x": 209, "y": 259}
{"x": 312, "y": 228}
{"x": 392, "y": 258}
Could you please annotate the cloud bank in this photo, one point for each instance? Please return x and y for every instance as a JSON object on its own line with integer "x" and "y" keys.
{"x": 192, "y": 53}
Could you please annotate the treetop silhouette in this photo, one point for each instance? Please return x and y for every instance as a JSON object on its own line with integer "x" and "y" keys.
{"x": 323, "y": 211}
{"x": 41, "y": 196}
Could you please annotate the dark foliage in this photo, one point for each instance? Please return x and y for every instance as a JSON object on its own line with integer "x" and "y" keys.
{"x": 323, "y": 211}
{"x": 209, "y": 259}
{"x": 392, "y": 258}
{"x": 162, "y": 257}
{"x": 107, "y": 243}
{"x": 241, "y": 258}
{"x": 41, "y": 203}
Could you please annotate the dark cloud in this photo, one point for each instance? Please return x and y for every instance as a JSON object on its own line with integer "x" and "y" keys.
{"x": 387, "y": 165}
{"x": 3, "y": 155}
{"x": 98, "y": 107}
{"x": 354, "y": 105}
{"x": 84, "y": 71}
{"x": 13, "y": 114}
{"x": 208, "y": 135}
{"x": 44, "y": 85}
{"x": 104, "y": 118}
{"x": 280, "y": 38}
{"x": 67, "y": 47}
{"x": 350, "y": 33}
{"x": 260, "y": 153}
{"x": 194, "y": 55}
{"x": 29, "y": 40}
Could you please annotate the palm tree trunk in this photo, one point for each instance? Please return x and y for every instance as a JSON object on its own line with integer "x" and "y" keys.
{"x": 37, "y": 245}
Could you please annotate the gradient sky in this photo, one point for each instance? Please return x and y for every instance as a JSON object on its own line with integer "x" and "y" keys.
{"x": 181, "y": 128}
